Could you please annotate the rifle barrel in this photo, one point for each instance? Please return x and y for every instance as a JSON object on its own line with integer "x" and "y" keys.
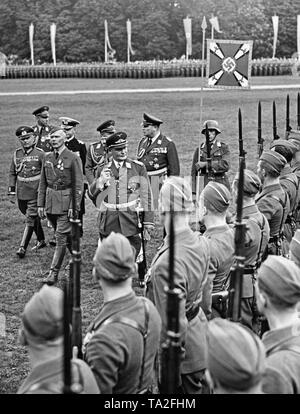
{"x": 67, "y": 345}
{"x": 274, "y": 121}
{"x": 287, "y": 112}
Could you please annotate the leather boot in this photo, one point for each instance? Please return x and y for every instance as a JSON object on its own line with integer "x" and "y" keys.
{"x": 38, "y": 229}
{"x": 57, "y": 260}
{"x": 25, "y": 241}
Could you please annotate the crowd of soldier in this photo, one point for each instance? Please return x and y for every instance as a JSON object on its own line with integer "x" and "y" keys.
{"x": 202, "y": 261}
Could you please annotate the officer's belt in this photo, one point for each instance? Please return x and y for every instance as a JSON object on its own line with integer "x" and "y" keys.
{"x": 59, "y": 186}
{"x": 158, "y": 172}
{"x": 119, "y": 206}
{"x": 28, "y": 179}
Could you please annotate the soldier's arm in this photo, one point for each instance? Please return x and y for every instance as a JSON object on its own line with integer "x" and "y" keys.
{"x": 173, "y": 160}
{"x": 78, "y": 180}
{"x": 42, "y": 187}
{"x": 222, "y": 164}
{"x": 146, "y": 197}
{"x": 266, "y": 206}
{"x": 12, "y": 177}
{"x": 89, "y": 170}
{"x": 206, "y": 303}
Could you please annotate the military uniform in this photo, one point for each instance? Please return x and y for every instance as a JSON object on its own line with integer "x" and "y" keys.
{"x": 220, "y": 162}
{"x": 25, "y": 173}
{"x": 190, "y": 274}
{"x": 55, "y": 195}
{"x": 96, "y": 153}
{"x": 120, "y": 359}
{"x": 159, "y": 155}
{"x": 118, "y": 202}
{"x": 43, "y": 137}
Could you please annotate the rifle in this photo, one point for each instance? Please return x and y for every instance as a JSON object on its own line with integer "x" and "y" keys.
{"x": 142, "y": 265}
{"x": 75, "y": 265}
{"x": 260, "y": 140}
{"x": 242, "y": 152}
{"x": 287, "y": 123}
{"x": 236, "y": 278}
{"x": 67, "y": 389}
{"x": 171, "y": 348}
{"x": 210, "y": 175}
{"x": 275, "y": 136}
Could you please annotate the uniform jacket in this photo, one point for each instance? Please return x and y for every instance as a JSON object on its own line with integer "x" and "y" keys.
{"x": 47, "y": 378}
{"x": 127, "y": 185}
{"x": 220, "y": 162}
{"x": 77, "y": 146}
{"x": 55, "y": 187}
{"x": 268, "y": 203}
{"x": 289, "y": 182}
{"x": 25, "y": 172}
{"x": 96, "y": 156}
{"x": 43, "y": 137}
{"x": 160, "y": 158}
{"x": 256, "y": 240}
{"x": 115, "y": 351}
{"x": 283, "y": 366}
{"x": 190, "y": 274}
{"x": 221, "y": 247}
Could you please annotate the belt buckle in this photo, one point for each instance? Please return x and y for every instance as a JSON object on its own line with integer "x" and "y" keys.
{"x": 55, "y": 187}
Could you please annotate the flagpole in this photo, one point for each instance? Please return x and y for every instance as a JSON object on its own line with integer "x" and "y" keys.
{"x": 128, "y": 40}
{"x": 105, "y": 44}
{"x": 203, "y": 27}
{"x": 31, "y": 32}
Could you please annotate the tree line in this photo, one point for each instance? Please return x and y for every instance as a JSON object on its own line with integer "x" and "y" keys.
{"x": 157, "y": 27}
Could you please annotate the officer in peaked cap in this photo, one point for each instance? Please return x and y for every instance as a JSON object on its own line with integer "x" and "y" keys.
{"x": 24, "y": 175}
{"x": 289, "y": 182}
{"x": 79, "y": 147}
{"x": 220, "y": 158}
{"x": 42, "y": 128}
{"x": 97, "y": 153}
{"x": 120, "y": 187}
{"x": 272, "y": 200}
{"x": 158, "y": 153}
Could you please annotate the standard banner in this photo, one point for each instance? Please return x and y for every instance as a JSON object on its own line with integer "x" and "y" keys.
{"x": 187, "y": 23}
{"x": 31, "y": 32}
{"x": 229, "y": 63}
{"x": 130, "y": 51}
{"x": 52, "y": 37}
{"x": 107, "y": 43}
{"x": 214, "y": 25}
{"x": 275, "y": 20}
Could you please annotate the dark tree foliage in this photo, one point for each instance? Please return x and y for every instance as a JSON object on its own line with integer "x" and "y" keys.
{"x": 157, "y": 27}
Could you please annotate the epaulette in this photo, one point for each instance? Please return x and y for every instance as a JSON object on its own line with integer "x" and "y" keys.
{"x": 219, "y": 144}
{"x": 39, "y": 149}
{"x": 169, "y": 139}
{"x": 137, "y": 162}
{"x": 20, "y": 148}
{"x": 202, "y": 145}
{"x": 80, "y": 142}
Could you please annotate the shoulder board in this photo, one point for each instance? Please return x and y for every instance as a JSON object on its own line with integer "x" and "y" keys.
{"x": 219, "y": 144}
{"x": 18, "y": 149}
{"x": 168, "y": 139}
{"x": 80, "y": 142}
{"x": 39, "y": 149}
{"x": 137, "y": 162}
{"x": 202, "y": 145}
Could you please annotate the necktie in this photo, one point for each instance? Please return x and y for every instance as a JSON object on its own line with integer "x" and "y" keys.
{"x": 149, "y": 142}
{"x": 56, "y": 154}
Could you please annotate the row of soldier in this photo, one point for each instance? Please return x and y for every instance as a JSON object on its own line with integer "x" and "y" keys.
{"x": 210, "y": 271}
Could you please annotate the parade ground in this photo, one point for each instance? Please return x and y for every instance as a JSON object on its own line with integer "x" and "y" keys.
{"x": 177, "y": 101}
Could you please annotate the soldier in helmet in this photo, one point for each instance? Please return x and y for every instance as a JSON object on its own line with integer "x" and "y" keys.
{"x": 97, "y": 153}
{"x": 42, "y": 128}
{"x": 25, "y": 172}
{"x": 220, "y": 157}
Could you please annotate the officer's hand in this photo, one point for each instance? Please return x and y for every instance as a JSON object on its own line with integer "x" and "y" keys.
{"x": 41, "y": 212}
{"x": 200, "y": 164}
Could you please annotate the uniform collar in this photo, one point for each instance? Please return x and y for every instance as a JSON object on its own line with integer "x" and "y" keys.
{"x": 118, "y": 164}
{"x": 70, "y": 139}
{"x": 278, "y": 337}
{"x": 217, "y": 229}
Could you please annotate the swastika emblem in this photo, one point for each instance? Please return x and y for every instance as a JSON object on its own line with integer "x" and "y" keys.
{"x": 228, "y": 65}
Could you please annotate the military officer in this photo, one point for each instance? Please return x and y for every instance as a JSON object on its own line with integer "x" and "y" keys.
{"x": 60, "y": 167}
{"x": 122, "y": 342}
{"x": 25, "y": 172}
{"x": 213, "y": 205}
{"x": 220, "y": 158}
{"x": 272, "y": 200}
{"x": 278, "y": 295}
{"x": 191, "y": 260}
{"x": 158, "y": 153}
{"x": 96, "y": 153}
{"x": 77, "y": 146}
{"x": 42, "y": 128}
{"x": 256, "y": 241}
{"x": 289, "y": 182}
{"x": 120, "y": 185}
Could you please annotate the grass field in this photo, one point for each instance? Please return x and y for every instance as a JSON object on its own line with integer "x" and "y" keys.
{"x": 19, "y": 279}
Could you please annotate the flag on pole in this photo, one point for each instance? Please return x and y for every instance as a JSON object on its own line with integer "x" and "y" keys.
{"x": 129, "y": 45}
{"x": 214, "y": 25}
{"x": 229, "y": 63}
{"x": 52, "y": 37}
{"x": 275, "y": 20}
{"x": 187, "y": 23}
{"x": 107, "y": 43}
{"x": 31, "y": 31}
{"x": 298, "y": 36}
